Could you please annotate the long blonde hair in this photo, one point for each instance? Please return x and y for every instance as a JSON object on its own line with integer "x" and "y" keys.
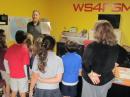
{"x": 104, "y": 33}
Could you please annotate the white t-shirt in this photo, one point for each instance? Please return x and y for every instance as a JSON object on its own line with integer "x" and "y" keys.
{"x": 54, "y": 67}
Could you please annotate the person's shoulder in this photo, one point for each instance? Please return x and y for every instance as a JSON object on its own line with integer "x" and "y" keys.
{"x": 76, "y": 54}
{"x": 24, "y": 48}
{"x": 65, "y": 55}
{"x": 30, "y": 23}
{"x": 12, "y": 46}
{"x": 58, "y": 58}
{"x": 121, "y": 49}
{"x": 91, "y": 45}
{"x": 116, "y": 47}
{"x": 119, "y": 46}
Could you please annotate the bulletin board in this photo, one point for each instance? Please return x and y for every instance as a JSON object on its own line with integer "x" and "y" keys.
{"x": 20, "y": 23}
{"x": 14, "y": 24}
{"x": 17, "y": 23}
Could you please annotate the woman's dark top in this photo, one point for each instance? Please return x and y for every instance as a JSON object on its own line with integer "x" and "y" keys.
{"x": 100, "y": 58}
{"x": 35, "y": 30}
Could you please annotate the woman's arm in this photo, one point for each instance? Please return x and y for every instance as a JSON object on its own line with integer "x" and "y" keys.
{"x": 34, "y": 79}
{"x": 114, "y": 69}
{"x": 87, "y": 59}
{"x": 53, "y": 80}
{"x": 87, "y": 65}
{"x": 94, "y": 77}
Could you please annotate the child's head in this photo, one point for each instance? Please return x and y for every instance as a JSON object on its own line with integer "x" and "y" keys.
{"x": 37, "y": 44}
{"x": 49, "y": 42}
{"x": 36, "y": 15}
{"x": 2, "y": 39}
{"x": 20, "y": 36}
{"x": 29, "y": 42}
{"x": 30, "y": 37}
{"x": 71, "y": 46}
{"x": 42, "y": 45}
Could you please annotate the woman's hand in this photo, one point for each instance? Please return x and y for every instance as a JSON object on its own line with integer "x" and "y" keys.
{"x": 114, "y": 69}
{"x": 94, "y": 77}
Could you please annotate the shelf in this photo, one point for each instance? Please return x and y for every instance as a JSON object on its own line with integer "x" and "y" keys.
{"x": 75, "y": 37}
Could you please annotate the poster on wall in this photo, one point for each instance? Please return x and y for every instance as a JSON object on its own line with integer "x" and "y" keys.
{"x": 20, "y": 23}
{"x": 17, "y": 23}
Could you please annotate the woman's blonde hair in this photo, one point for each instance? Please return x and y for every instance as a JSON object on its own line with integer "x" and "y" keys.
{"x": 104, "y": 33}
{"x": 36, "y": 11}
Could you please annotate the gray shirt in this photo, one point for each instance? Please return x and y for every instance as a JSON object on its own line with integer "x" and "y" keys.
{"x": 54, "y": 67}
{"x": 35, "y": 30}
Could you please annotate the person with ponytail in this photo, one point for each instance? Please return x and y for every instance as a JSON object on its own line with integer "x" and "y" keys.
{"x": 47, "y": 70}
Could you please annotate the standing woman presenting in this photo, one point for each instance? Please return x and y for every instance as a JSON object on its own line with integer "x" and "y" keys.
{"x": 99, "y": 59}
{"x": 34, "y": 27}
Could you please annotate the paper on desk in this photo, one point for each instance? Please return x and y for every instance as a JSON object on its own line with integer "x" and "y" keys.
{"x": 124, "y": 73}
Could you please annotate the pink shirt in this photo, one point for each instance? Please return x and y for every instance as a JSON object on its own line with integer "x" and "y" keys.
{"x": 17, "y": 56}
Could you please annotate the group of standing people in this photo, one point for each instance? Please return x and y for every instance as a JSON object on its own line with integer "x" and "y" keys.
{"x": 47, "y": 69}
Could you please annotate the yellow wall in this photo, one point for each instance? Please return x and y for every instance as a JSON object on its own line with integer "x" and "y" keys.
{"x": 61, "y": 14}
{"x": 23, "y": 7}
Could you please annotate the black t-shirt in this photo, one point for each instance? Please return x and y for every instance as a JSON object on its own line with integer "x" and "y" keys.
{"x": 35, "y": 30}
{"x": 101, "y": 59}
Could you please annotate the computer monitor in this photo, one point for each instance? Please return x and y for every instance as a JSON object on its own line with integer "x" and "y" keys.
{"x": 114, "y": 19}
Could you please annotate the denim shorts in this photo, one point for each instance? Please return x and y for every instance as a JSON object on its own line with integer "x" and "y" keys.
{"x": 69, "y": 90}
{"x": 47, "y": 93}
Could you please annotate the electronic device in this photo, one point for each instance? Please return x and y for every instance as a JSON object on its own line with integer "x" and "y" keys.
{"x": 3, "y": 19}
{"x": 114, "y": 19}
